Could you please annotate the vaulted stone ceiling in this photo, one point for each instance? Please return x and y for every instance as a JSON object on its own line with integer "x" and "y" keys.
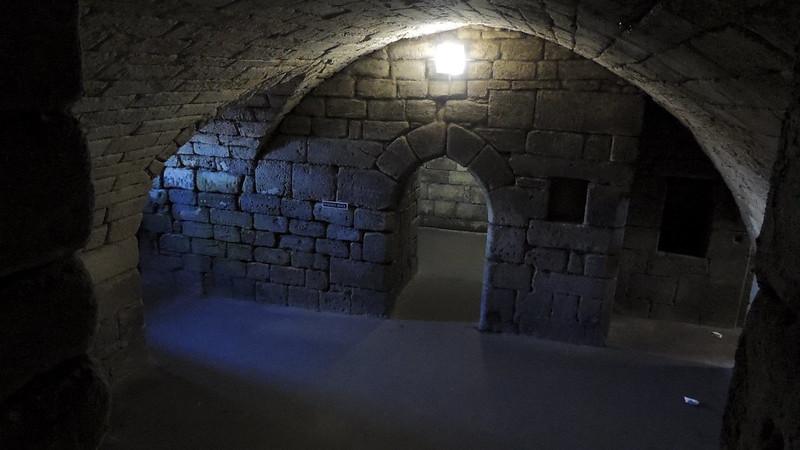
{"x": 155, "y": 70}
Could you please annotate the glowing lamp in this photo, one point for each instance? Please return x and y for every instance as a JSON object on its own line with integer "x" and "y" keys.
{"x": 450, "y": 58}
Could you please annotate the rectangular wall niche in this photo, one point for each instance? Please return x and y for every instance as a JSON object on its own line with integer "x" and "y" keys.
{"x": 567, "y": 200}
{"x": 687, "y": 216}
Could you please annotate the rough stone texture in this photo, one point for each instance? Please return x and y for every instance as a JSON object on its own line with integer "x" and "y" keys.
{"x": 710, "y": 289}
{"x": 763, "y": 405}
{"x": 364, "y": 244}
{"x": 65, "y": 408}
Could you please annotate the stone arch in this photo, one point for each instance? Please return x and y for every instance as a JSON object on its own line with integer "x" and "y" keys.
{"x": 409, "y": 152}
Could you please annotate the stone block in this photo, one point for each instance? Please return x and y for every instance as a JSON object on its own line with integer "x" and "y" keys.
{"x": 218, "y": 182}
{"x": 287, "y": 275}
{"x": 231, "y": 218}
{"x": 366, "y": 301}
{"x": 367, "y": 219}
{"x": 275, "y": 224}
{"x": 346, "y": 108}
{"x": 547, "y": 259}
{"x": 412, "y": 89}
{"x": 421, "y": 111}
{"x": 570, "y": 236}
{"x": 575, "y": 263}
{"x": 338, "y": 86}
{"x": 306, "y": 228}
{"x": 343, "y": 233}
{"x": 313, "y": 182}
{"x": 376, "y": 88}
{"x": 370, "y": 67}
{"x": 510, "y": 276}
{"x": 205, "y": 149}
{"x": 394, "y": 110}
{"x": 465, "y": 111}
{"x": 365, "y": 188}
{"x": 347, "y": 272}
{"x": 411, "y": 49}
{"x": 511, "y": 109}
{"x": 478, "y": 70}
{"x": 317, "y": 279}
{"x": 264, "y": 239}
{"x": 565, "y": 307}
{"x": 597, "y": 148}
{"x": 649, "y": 289}
{"x": 491, "y": 169}
{"x": 514, "y": 70}
{"x": 286, "y": 148}
{"x": 190, "y": 213}
{"x": 334, "y": 302}
{"x": 506, "y": 244}
{"x": 409, "y": 69}
{"x": 196, "y": 263}
{"x": 522, "y": 49}
{"x": 241, "y": 252}
{"x": 477, "y": 89}
{"x": 273, "y": 177}
{"x": 174, "y": 243}
{"x": 156, "y": 223}
{"x": 216, "y": 201}
{"x": 182, "y": 197}
{"x": 377, "y": 247}
{"x": 606, "y": 206}
{"x": 462, "y": 144}
{"x": 342, "y": 152}
{"x": 536, "y": 166}
{"x": 624, "y": 149}
{"x": 383, "y": 130}
{"x": 271, "y": 256}
{"x": 600, "y": 266}
{"x": 446, "y": 192}
{"x": 337, "y": 216}
{"x": 428, "y": 141}
{"x": 271, "y": 293}
{"x": 547, "y": 70}
{"x": 334, "y": 128}
{"x": 299, "y": 243}
{"x": 296, "y": 209}
{"x": 260, "y": 203}
{"x": 303, "y": 298}
{"x": 194, "y": 229}
{"x": 398, "y": 160}
{"x": 557, "y": 144}
{"x": 208, "y": 247}
{"x": 311, "y": 106}
{"x": 178, "y": 178}
{"x": 504, "y": 140}
{"x": 258, "y": 271}
{"x": 589, "y": 112}
{"x": 332, "y": 247}
{"x": 229, "y": 268}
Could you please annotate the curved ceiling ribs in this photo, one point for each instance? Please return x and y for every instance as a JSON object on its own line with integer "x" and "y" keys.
{"x": 156, "y": 69}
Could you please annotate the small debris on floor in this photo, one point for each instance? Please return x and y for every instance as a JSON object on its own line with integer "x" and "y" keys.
{"x": 717, "y": 334}
{"x": 691, "y": 401}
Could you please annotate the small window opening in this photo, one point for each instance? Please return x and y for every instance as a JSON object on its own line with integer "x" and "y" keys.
{"x": 567, "y": 201}
{"x": 687, "y": 216}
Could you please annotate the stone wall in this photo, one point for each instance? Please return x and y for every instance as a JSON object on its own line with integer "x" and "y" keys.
{"x": 709, "y": 288}
{"x": 450, "y": 197}
{"x": 524, "y": 111}
{"x": 52, "y": 394}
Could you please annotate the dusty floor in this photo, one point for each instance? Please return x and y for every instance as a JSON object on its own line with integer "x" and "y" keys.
{"x": 239, "y": 375}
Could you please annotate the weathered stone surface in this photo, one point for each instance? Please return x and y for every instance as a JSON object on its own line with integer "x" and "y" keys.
{"x": 564, "y": 235}
{"x": 340, "y": 152}
{"x": 589, "y": 112}
{"x": 366, "y": 188}
{"x": 218, "y": 182}
{"x": 504, "y": 140}
{"x": 491, "y": 169}
{"x": 398, "y": 160}
{"x": 312, "y": 182}
{"x": 48, "y": 315}
{"x": 428, "y": 141}
{"x": 71, "y": 402}
{"x": 367, "y": 219}
{"x": 276, "y": 224}
{"x": 271, "y": 293}
{"x": 333, "y": 215}
{"x": 506, "y": 244}
{"x": 465, "y": 111}
{"x": 560, "y": 145}
{"x": 273, "y": 177}
{"x": 511, "y": 109}
{"x": 347, "y": 272}
{"x": 463, "y": 145}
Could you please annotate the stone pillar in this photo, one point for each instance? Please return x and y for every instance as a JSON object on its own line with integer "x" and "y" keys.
{"x": 51, "y": 393}
{"x": 764, "y": 401}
